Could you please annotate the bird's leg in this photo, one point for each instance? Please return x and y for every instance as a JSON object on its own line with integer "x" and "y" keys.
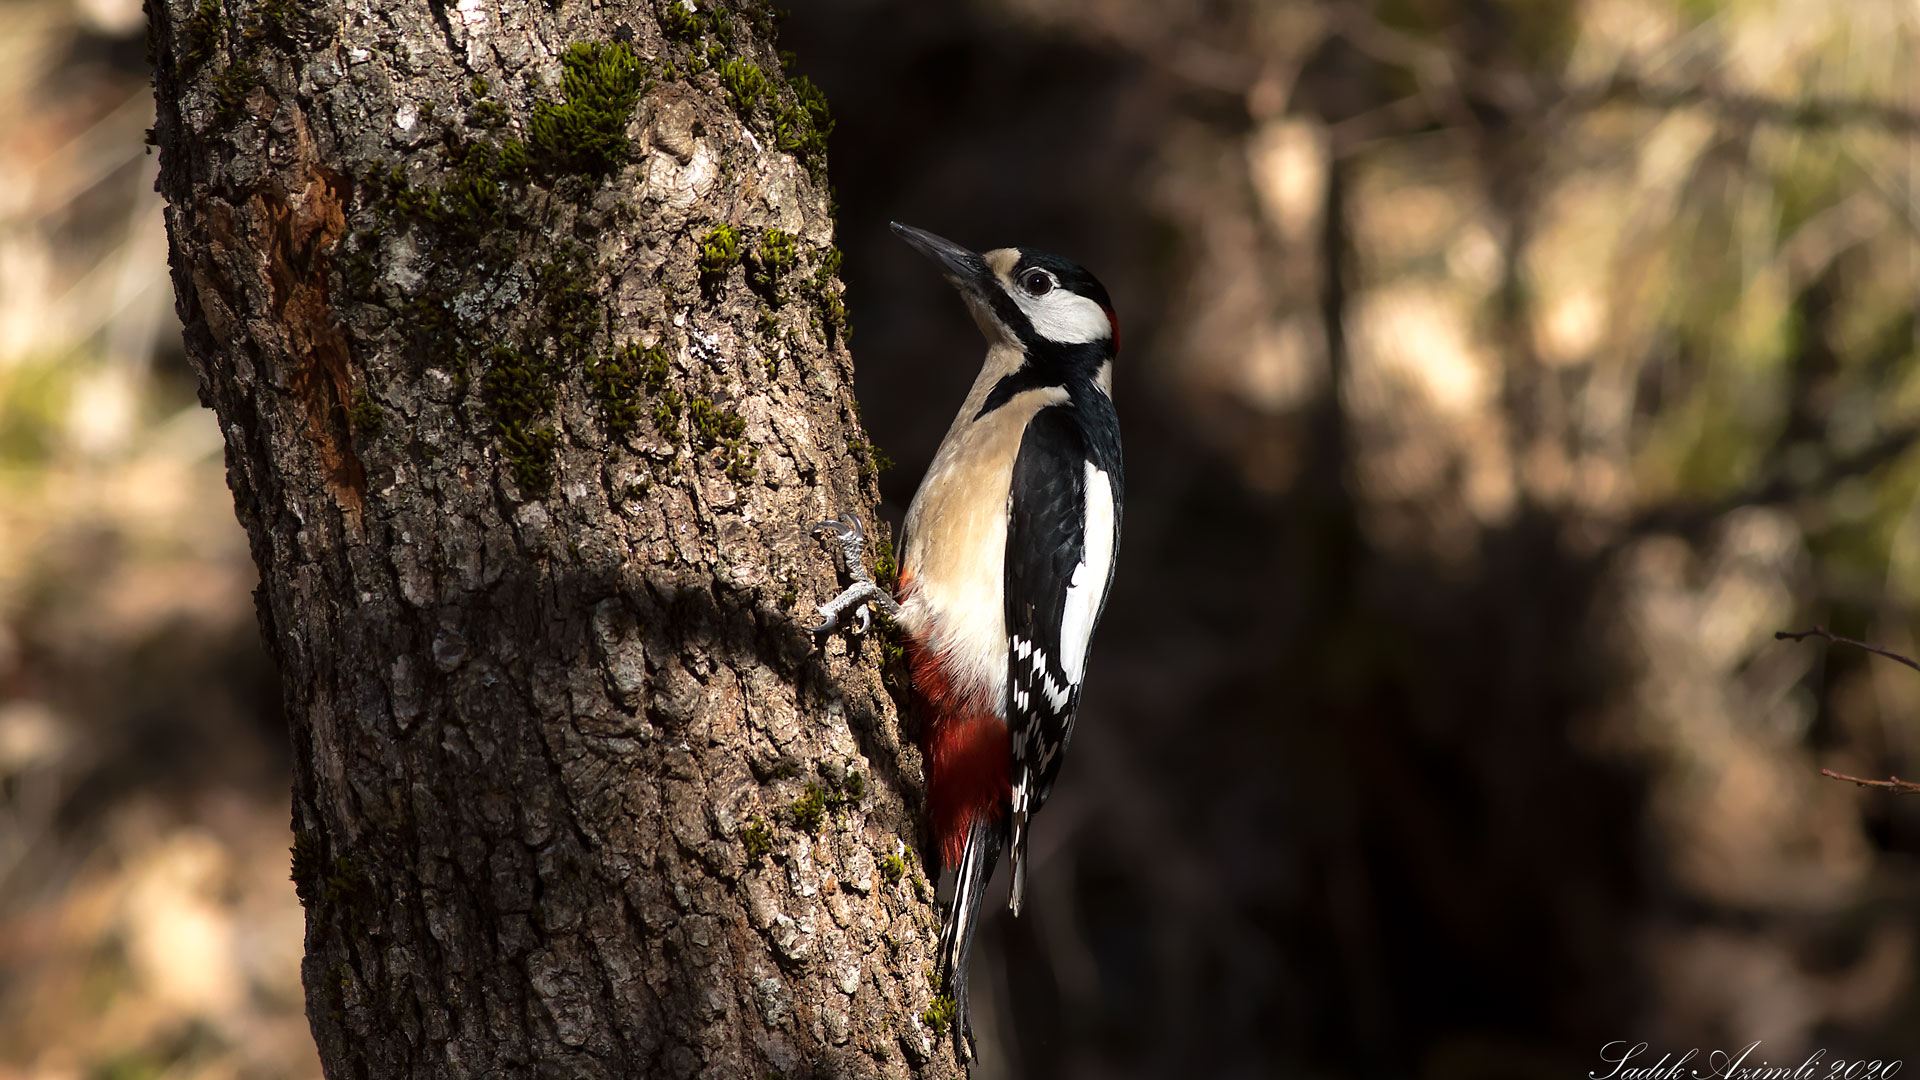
{"x": 864, "y": 591}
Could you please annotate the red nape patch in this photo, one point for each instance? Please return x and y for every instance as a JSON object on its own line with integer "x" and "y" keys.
{"x": 1113, "y": 321}
{"x": 968, "y": 772}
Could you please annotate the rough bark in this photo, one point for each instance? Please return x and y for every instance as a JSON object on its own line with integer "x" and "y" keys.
{"x": 528, "y": 459}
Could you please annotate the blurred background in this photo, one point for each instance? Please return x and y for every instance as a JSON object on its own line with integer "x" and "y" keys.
{"x": 1499, "y": 376}
{"x": 147, "y": 925}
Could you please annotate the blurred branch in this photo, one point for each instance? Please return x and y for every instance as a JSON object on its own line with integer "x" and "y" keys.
{"x": 1447, "y": 82}
{"x": 1892, "y": 783}
{"x": 1884, "y": 188}
{"x": 1806, "y": 113}
{"x": 1828, "y": 635}
{"x": 1405, "y": 116}
{"x": 1686, "y": 518}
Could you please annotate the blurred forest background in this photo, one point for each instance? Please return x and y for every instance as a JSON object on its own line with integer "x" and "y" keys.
{"x": 1499, "y": 376}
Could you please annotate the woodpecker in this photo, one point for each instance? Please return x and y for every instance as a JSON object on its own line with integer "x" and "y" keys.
{"x": 1007, "y": 557}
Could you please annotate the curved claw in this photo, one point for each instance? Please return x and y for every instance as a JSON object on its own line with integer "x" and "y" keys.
{"x": 846, "y": 527}
{"x": 833, "y": 620}
{"x": 863, "y": 592}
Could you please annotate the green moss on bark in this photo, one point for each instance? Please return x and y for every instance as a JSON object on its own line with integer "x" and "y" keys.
{"x": 771, "y": 265}
{"x": 802, "y": 123}
{"x": 621, "y": 380}
{"x": 587, "y": 131}
{"x": 719, "y": 253}
{"x": 522, "y": 331}
{"x": 517, "y": 389}
{"x": 201, "y": 35}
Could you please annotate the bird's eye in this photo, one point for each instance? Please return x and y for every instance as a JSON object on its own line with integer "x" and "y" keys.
{"x": 1037, "y": 282}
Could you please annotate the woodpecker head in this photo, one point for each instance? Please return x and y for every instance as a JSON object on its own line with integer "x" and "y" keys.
{"x": 1042, "y": 303}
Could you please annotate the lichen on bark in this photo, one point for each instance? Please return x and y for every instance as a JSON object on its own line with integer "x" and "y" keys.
{"x": 529, "y": 487}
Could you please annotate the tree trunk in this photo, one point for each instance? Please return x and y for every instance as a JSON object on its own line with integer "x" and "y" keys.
{"x": 523, "y": 326}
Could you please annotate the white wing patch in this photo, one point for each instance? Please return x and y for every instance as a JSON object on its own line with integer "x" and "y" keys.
{"x": 1089, "y": 585}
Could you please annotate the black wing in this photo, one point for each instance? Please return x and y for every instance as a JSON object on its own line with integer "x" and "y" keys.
{"x": 1047, "y": 545}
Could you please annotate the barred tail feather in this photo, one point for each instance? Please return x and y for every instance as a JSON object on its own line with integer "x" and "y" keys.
{"x": 963, "y": 918}
{"x": 1018, "y": 846}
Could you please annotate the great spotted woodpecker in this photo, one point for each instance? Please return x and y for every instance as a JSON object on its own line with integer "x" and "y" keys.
{"x": 1008, "y": 554}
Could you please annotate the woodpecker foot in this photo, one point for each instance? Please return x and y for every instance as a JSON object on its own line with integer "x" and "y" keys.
{"x": 864, "y": 593}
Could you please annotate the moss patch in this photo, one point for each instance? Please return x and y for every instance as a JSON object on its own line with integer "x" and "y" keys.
{"x": 587, "y": 133}
{"x": 201, "y": 35}
{"x": 772, "y": 262}
{"x": 724, "y": 430}
{"x": 820, "y": 800}
{"x": 347, "y": 881}
{"x": 518, "y": 391}
{"x": 714, "y": 426}
{"x": 231, "y": 87}
{"x": 306, "y": 865}
{"x": 829, "y": 308}
{"x": 487, "y": 114}
{"x": 469, "y": 211}
{"x": 719, "y": 253}
{"x": 679, "y": 21}
{"x": 745, "y": 83}
{"x": 666, "y": 412}
{"x": 791, "y": 110}
{"x": 939, "y": 1016}
{"x": 521, "y": 328}
{"x": 756, "y": 838}
{"x": 622, "y": 379}
{"x": 366, "y": 416}
{"x": 625, "y": 378}
{"x": 571, "y": 305}
{"x": 873, "y": 460}
{"x": 614, "y": 382}
{"x": 271, "y": 19}
{"x": 801, "y": 125}
{"x": 853, "y": 789}
{"x": 473, "y": 218}
{"x": 809, "y": 810}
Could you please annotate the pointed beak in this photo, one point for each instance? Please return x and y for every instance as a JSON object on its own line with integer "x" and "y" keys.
{"x": 966, "y": 270}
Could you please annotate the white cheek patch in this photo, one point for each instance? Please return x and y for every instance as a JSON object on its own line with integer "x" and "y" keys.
{"x": 1089, "y": 585}
{"x": 1064, "y": 317}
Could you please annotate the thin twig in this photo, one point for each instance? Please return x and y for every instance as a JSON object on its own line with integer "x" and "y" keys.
{"x": 1892, "y": 783}
{"x": 1904, "y": 787}
{"x": 1823, "y": 632}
